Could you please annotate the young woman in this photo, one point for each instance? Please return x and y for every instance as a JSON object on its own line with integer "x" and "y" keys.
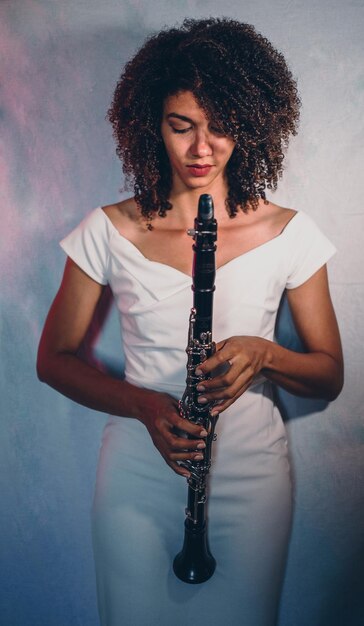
{"x": 205, "y": 108}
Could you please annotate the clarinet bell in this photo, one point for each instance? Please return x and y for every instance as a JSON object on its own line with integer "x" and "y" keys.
{"x": 195, "y": 563}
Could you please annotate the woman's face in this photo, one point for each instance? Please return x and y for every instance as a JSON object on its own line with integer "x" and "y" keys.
{"x": 197, "y": 149}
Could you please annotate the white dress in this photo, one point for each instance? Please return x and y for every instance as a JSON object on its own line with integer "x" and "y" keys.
{"x": 138, "y": 509}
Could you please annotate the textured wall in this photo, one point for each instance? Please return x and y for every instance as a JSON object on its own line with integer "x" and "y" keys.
{"x": 59, "y": 63}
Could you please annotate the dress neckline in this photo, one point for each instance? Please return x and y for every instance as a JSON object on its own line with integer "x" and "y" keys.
{"x": 168, "y": 267}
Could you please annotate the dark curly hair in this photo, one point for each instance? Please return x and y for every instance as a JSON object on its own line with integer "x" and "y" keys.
{"x": 237, "y": 77}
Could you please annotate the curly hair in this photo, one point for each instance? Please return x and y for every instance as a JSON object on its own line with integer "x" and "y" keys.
{"x": 237, "y": 78}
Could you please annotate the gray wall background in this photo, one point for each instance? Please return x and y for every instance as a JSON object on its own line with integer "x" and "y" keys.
{"x": 59, "y": 64}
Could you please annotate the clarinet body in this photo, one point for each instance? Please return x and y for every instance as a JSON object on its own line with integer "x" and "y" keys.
{"x": 195, "y": 563}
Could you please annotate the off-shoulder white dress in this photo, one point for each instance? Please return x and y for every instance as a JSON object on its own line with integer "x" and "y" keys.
{"x": 138, "y": 508}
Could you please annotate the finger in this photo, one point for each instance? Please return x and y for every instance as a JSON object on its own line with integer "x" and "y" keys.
{"x": 181, "y": 443}
{"x": 212, "y": 363}
{"x": 176, "y": 425}
{"x": 186, "y": 426}
{"x": 184, "y": 456}
{"x": 226, "y": 379}
{"x": 174, "y": 458}
{"x": 223, "y": 379}
{"x": 240, "y": 384}
{"x": 182, "y": 471}
{"x": 225, "y": 404}
{"x": 220, "y": 360}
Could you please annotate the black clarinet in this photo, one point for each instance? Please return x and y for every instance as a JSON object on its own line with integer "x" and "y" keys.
{"x": 195, "y": 563}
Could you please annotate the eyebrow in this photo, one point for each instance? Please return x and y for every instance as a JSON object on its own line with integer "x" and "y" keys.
{"x": 180, "y": 117}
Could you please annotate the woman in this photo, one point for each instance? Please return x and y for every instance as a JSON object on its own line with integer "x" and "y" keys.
{"x": 206, "y": 108}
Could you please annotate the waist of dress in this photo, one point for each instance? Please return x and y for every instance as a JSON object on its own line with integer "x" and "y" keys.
{"x": 177, "y": 388}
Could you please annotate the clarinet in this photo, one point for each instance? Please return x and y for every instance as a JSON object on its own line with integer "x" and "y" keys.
{"x": 195, "y": 563}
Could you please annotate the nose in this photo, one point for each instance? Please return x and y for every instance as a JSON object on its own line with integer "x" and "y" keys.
{"x": 201, "y": 146}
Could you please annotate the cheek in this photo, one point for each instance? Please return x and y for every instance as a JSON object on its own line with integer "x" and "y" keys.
{"x": 224, "y": 145}
{"x": 227, "y": 151}
{"x": 222, "y": 156}
{"x": 229, "y": 146}
{"x": 174, "y": 151}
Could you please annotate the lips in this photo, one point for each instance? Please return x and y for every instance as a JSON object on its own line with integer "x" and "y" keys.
{"x": 199, "y": 170}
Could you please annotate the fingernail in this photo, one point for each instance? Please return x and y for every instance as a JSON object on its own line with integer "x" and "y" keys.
{"x": 198, "y": 372}
{"x": 186, "y": 475}
{"x": 198, "y": 457}
{"x": 200, "y": 388}
{"x": 203, "y": 433}
{"x": 202, "y": 400}
{"x": 200, "y": 446}
{"x": 214, "y": 413}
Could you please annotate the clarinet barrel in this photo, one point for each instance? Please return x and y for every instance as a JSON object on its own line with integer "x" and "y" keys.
{"x": 195, "y": 563}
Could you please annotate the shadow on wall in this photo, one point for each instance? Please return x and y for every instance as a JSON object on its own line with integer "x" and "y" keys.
{"x": 103, "y": 334}
{"x": 290, "y": 406}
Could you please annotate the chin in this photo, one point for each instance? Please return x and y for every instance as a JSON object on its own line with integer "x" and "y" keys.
{"x": 198, "y": 183}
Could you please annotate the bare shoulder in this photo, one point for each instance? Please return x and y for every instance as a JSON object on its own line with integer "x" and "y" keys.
{"x": 279, "y": 216}
{"x": 125, "y": 216}
{"x": 271, "y": 219}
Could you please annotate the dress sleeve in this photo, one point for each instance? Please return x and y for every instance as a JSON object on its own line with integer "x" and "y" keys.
{"x": 310, "y": 250}
{"x": 87, "y": 245}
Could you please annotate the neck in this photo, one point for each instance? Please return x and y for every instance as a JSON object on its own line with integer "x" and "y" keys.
{"x": 185, "y": 203}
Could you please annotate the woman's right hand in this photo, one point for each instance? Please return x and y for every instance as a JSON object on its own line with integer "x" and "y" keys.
{"x": 161, "y": 418}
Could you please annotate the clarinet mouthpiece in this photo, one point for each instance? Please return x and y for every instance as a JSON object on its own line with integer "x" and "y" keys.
{"x": 205, "y": 208}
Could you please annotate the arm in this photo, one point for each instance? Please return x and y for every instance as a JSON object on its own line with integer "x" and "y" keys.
{"x": 59, "y": 366}
{"x": 316, "y": 373}
{"x": 319, "y": 372}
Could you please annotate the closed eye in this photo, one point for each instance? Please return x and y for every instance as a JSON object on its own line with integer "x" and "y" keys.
{"x": 215, "y": 130}
{"x": 180, "y": 130}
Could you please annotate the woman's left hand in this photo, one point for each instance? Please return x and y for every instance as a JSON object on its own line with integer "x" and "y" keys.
{"x": 244, "y": 357}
